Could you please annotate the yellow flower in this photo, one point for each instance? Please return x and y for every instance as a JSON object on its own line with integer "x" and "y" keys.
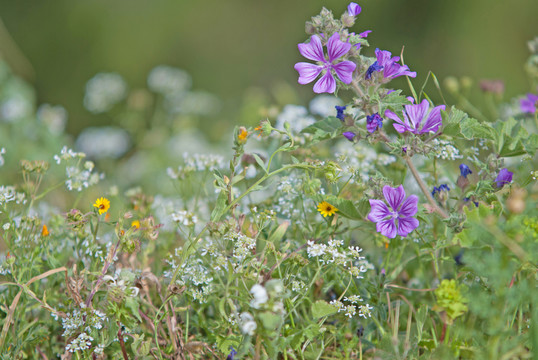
{"x": 136, "y": 224}
{"x": 45, "y": 231}
{"x": 243, "y": 133}
{"x": 326, "y": 209}
{"x": 103, "y": 204}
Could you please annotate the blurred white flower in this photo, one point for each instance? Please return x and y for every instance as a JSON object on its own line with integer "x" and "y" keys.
{"x": 168, "y": 80}
{"x": 14, "y": 108}
{"x": 103, "y": 91}
{"x": 260, "y": 296}
{"x": 248, "y": 325}
{"x": 324, "y": 105}
{"x": 101, "y": 142}
{"x": 54, "y": 117}
{"x": 297, "y": 116}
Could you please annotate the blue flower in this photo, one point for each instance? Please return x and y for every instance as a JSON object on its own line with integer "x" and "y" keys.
{"x": 374, "y": 67}
{"x": 232, "y": 354}
{"x": 465, "y": 170}
{"x": 340, "y": 112}
{"x": 442, "y": 187}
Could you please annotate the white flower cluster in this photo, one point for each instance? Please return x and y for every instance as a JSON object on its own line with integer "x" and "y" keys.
{"x": 82, "y": 319}
{"x": 184, "y": 217}
{"x": 194, "y": 276}
{"x": 68, "y": 154}
{"x": 243, "y": 244}
{"x": 289, "y": 191}
{"x": 82, "y": 178}
{"x": 248, "y": 325}
{"x": 121, "y": 282}
{"x": 103, "y": 91}
{"x": 359, "y": 160}
{"x": 350, "y": 309}
{"x": 81, "y": 343}
{"x": 334, "y": 253}
{"x": 9, "y": 194}
{"x": 445, "y": 150}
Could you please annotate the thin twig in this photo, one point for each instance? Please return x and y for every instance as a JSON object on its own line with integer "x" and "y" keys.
{"x": 122, "y": 343}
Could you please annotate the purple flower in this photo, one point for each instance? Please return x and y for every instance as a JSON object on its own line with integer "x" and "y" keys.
{"x": 232, "y": 354}
{"x": 374, "y": 67}
{"x": 504, "y": 177}
{"x": 528, "y": 105}
{"x": 465, "y": 170}
{"x": 414, "y": 116}
{"x": 400, "y": 209}
{"x": 373, "y": 122}
{"x": 353, "y": 9}
{"x": 364, "y": 33}
{"x": 468, "y": 199}
{"x": 442, "y": 187}
{"x": 349, "y": 135}
{"x": 390, "y": 67}
{"x": 314, "y": 51}
{"x": 340, "y": 112}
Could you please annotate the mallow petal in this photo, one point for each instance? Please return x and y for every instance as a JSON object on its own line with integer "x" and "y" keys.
{"x": 336, "y": 48}
{"x": 325, "y": 84}
{"x": 406, "y": 225}
{"x": 387, "y": 228}
{"x": 307, "y": 72}
{"x": 379, "y": 211}
{"x": 383, "y": 57}
{"x": 394, "y": 196}
{"x": 313, "y": 50}
{"x": 344, "y": 71}
{"x": 434, "y": 120}
{"x": 409, "y": 206}
{"x": 417, "y": 112}
{"x": 399, "y": 125}
{"x": 353, "y": 9}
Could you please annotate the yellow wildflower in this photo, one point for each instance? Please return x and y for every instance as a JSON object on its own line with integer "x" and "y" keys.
{"x": 326, "y": 209}
{"x": 103, "y": 204}
{"x": 243, "y": 133}
{"x": 136, "y": 224}
{"x": 45, "y": 231}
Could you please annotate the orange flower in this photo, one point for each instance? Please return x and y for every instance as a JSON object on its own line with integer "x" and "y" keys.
{"x": 243, "y": 133}
{"x": 45, "y": 231}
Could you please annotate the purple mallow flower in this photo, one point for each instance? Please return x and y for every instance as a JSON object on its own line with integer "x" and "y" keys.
{"x": 465, "y": 170}
{"x": 373, "y": 122}
{"x": 349, "y": 135}
{"x": 529, "y": 104}
{"x": 340, "y": 112}
{"x": 314, "y": 51}
{"x": 232, "y": 354}
{"x": 504, "y": 177}
{"x": 353, "y": 9}
{"x": 414, "y": 116}
{"x": 400, "y": 209}
{"x": 389, "y": 65}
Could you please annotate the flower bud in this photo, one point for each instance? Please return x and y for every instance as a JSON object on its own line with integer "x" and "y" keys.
{"x": 452, "y": 84}
{"x": 347, "y": 20}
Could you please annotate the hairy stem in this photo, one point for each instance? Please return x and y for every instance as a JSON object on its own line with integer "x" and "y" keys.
{"x": 424, "y": 189}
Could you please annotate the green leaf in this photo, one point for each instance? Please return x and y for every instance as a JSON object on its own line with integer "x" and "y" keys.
{"x": 270, "y": 321}
{"x": 322, "y": 308}
{"x": 393, "y": 101}
{"x": 327, "y": 128}
{"x": 260, "y": 162}
{"x": 345, "y": 207}
{"x": 278, "y": 234}
{"x": 472, "y": 129}
{"x": 220, "y": 207}
{"x": 452, "y": 120}
{"x": 133, "y": 305}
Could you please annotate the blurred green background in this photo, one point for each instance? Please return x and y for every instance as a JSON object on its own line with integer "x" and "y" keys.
{"x": 232, "y": 46}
